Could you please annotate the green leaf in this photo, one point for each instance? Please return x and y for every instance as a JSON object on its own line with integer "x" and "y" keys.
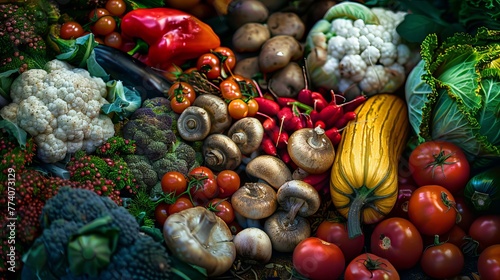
{"x": 123, "y": 100}
{"x": 184, "y": 271}
{"x": 95, "y": 69}
{"x": 15, "y": 131}
{"x": 6, "y": 79}
{"x": 77, "y": 51}
{"x": 414, "y": 28}
{"x": 351, "y": 10}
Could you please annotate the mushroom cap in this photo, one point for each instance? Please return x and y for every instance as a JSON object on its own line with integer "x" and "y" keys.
{"x": 221, "y": 152}
{"x": 247, "y": 133}
{"x": 253, "y": 244}
{"x": 194, "y": 124}
{"x": 198, "y": 236}
{"x": 286, "y": 235}
{"x": 297, "y": 191}
{"x": 270, "y": 169}
{"x": 217, "y": 110}
{"x": 255, "y": 200}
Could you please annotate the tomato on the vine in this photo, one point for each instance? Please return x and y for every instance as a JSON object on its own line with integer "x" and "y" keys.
{"x": 228, "y": 182}
{"x": 173, "y": 182}
{"x": 488, "y": 264}
{"x": 336, "y": 232}
{"x": 182, "y": 89}
{"x": 161, "y": 213}
{"x": 201, "y": 172}
{"x": 104, "y": 25}
{"x": 116, "y": 7}
{"x": 237, "y": 109}
{"x": 71, "y": 30}
{"x": 432, "y": 209}
{"x": 179, "y": 104}
{"x": 222, "y": 208}
{"x": 97, "y": 13}
{"x": 230, "y": 89}
{"x": 315, "y": 258}
{"x": 485, "y": 230}
{"x": 440, "y": 163}
{"x": 209, "y": 64}
{"x": 180, "y": 204}
{"x": 442, "y": 260}
{"x": 398, "y": 241}
{"x": 253, "y": 107}
{"x": 202, "y": 185}
{"x": 369, "y": 266}
{"x": 228, "y": 60}
{"x": 113, "y": 39}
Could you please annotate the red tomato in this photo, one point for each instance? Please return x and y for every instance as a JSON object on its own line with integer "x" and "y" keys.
{"x": 209, "y": 64}
{"x": 317, "y": 259}
{"x": 370, "y": 267}
{"x": 431, "y": 210}
{"x": 228, "y": 182}
{"x": 179, "y": 104}
{"x": 488, "y": 264}
{"x": 202, "y": 185}
{"x": 104, "y": 25}
{"x": 161, "y": 213}
{"x": 230, "y": 89}
{"x": 444, "y": 260}
{"x": 467, "y": 216}
{"x": 237, "y": 109}
{"x": 180, "y": 204}
{"x": 182, "y": 89}
{"x": 97, "y": 13}
{"x": 456, "y": 236}
{"x": 486, "y": 231}
{"x": 440, "y": 163}
{"x": 173, "y": 182}
{"x": 398, "y": 241}
{"x": 253, "y": 107}
{"x": 336, "y": 232}
{"x": 116, "y": 7}
{"x": 113, "y": 39}
{"x": 222, "y": 208}
{"x": 71, "y": 30}
{"x": 228, "y": 58}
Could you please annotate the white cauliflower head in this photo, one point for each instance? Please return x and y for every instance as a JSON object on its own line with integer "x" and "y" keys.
{"x": 60, "y": 107}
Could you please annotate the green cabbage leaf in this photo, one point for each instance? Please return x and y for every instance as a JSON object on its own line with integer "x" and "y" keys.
{"x": 453, "y": 94}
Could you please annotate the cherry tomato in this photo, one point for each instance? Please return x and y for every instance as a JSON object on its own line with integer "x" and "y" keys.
{"x": 486, "y": 231}
{"x": 230, "y": 89}
{"x": 180, "y": 204}
{"x": 71, "y": 30}
{"x": 431, "y": 209}
{"x": 253, "y": 107}
{"x": 209, "y": 64}
{"x": 442, "y": 260}
{"x": 97, "y": 13}
{"x": 104, "y": 25}
{"x": 182, "y": 89}
{"x": 228, "y": 58}
{"x": 222, "y": 208}
{"x": 336, "y": 232}
{"x": 228, "y": 182}
{"x": 488, "y": 264}
{"x": 113, "y": 39}
{"x": 161, "y": 213}
{"x": 116, "y": 7}
{"x": 440, "y": 163}
{"x": 398, "y": 241}
{"x": 368, "y": 266}
{"x": 179, "y": 104}
{"x": 173, "y": 182}
{"x": 202, "y": 185}
{"x": 237, "y": 109}
{"x": 315, "y": 258}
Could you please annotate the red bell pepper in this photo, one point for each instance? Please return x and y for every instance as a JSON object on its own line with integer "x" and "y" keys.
{"x": 172, "y": 36}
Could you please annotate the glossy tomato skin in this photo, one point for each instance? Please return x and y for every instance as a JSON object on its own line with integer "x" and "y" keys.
{"x": 444, "y": 260}
{"x": 336, "y": 232}
{"x": 228, "y": 182}
{"x": 71, "y": 30}
{"x": 398, "y": 241}
{"x": 203, "y": 185}
{"x": 104, "y": 25}
{"x": 161, "y": 213}
{"x": 173, "y": 182}
{"x": 486, "y": 231}
{"x": 237, "y": 109}
{"x": 116, "y": 7}
{"x": 180, "y": 204}
{"x": 182, "y": 89}
{"x": 488, "y": 264}
{"x": 317, "y": 259}
{"x": 431, "y": 210}
{"x": 229, "y": 58}
{"x": 440, "y": 163}
{"x": 209, "y": 64}
{"x": 223, "y": 209}
{"x": 370, "y": 267}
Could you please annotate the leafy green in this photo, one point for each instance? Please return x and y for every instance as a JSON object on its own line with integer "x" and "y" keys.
{"x": 6, "y": 79}
{"x": 453, "y": 94}
{"x": 15, "y": 131}
{"x": 123, "y": 101}
{"x": 351, "y": 10}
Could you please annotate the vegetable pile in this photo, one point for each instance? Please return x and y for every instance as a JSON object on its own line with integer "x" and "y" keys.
{"x": 249, "y": 139}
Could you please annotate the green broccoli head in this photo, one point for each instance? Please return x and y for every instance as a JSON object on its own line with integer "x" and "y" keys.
{"x": 142, "y": 171}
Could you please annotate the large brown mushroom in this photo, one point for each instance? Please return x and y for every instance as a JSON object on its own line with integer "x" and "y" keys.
{"x": 255, "y": 200}
{"x": 194, "y": 124}
{"x": 269, "y": 169}
{"x": 298, "y": 198}
{"x": 197, "y": 236}
{"x": 217, "y": 110}
{"x": 247, "y": 133}
{"x": 221, "y": 153}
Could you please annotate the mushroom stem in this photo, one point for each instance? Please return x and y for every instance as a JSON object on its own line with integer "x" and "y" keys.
{"x": 203, "y": 229}
{"x": 292, "y": 213}
{"x": 239, "y": 137}
{"x": 316, "y": 141}
{"x": 191, "y": 123}
{"x": 214, "y": 157}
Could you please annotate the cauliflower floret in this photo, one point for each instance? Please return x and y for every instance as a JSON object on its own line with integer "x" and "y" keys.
{"x": 60, "y": 107}
{"x": 353, "y": 67}
{"x": 370, "y": 55}
{"x": 336, "y": 47}
{"x": 375, "y": 79}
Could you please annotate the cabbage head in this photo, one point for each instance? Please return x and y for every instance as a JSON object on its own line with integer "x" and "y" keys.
{"x": 453, "y": 94}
